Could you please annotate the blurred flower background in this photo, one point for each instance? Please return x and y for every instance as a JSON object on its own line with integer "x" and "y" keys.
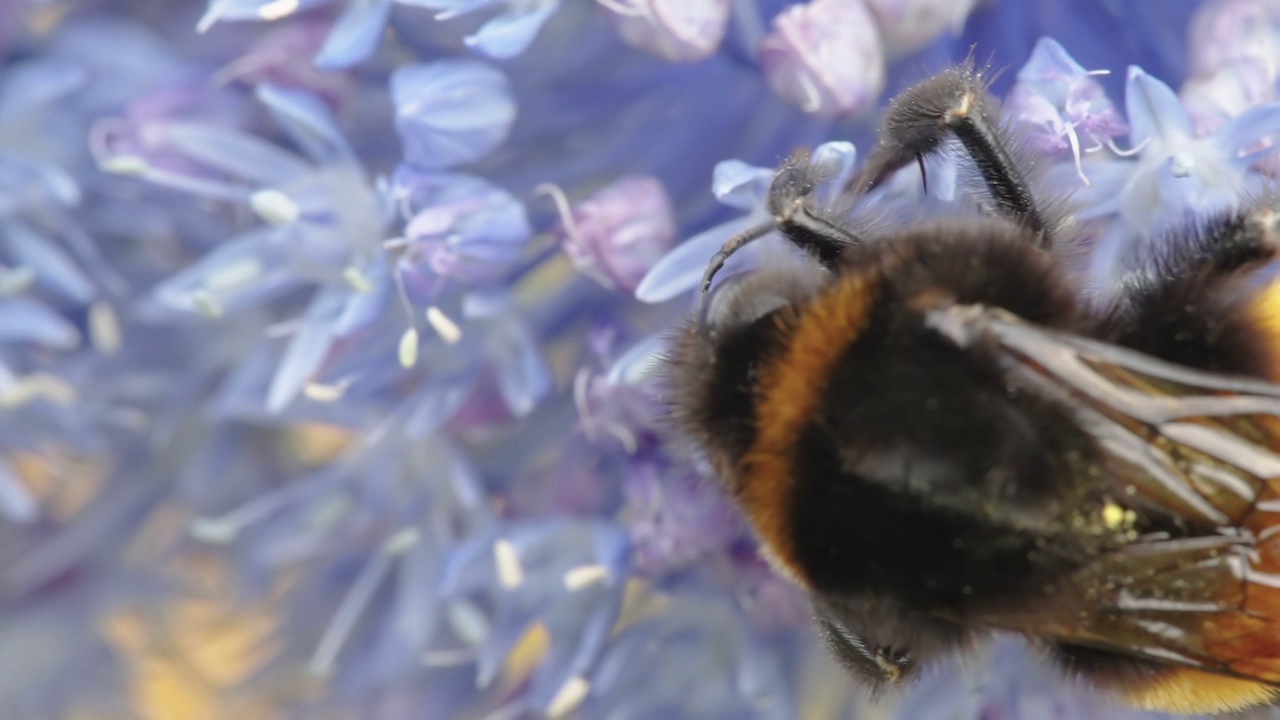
{"x": 328, "y": 332}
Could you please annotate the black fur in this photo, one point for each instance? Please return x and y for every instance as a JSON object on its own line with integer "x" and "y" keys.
{"x": 711, "y": 391}
{"x": 810, "y": 228}
{"x": 955, "y": 101}
{"x": 1192, "y": 305}
{"x": 917, "y": 433}
{"x": 1106, "y": 668}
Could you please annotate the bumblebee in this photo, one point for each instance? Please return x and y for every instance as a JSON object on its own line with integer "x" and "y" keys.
{"x": 937, "y": 437}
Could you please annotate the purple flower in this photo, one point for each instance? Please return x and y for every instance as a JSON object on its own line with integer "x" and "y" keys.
{"x": 1170, "y": 173}
{"x": 459, "y": 226}
{"x": 1064, "y": 104}
{"x": 616, "y": 235}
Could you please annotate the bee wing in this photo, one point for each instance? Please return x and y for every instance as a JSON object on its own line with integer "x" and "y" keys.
{"x": 1195, "y": 445}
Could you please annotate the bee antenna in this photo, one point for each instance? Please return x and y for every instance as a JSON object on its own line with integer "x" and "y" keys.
{"x": 731, "y": 246}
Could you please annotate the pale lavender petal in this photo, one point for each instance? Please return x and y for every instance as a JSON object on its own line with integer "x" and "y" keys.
{"x": 679, "y": 30}
{"x": 451, "y": 112}
{"x": 908, "y": 25}
{"x": 620, "y": 232}
{"x": 1224, "y": 32}
{"x": 1211, "y": 100}
{"x": 825, "y": 57}
{"x": 355, "y": 35}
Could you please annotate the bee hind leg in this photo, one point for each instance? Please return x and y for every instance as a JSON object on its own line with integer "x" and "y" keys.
{"x": 956, "y": 102}
{"x": 1198, "y": 300}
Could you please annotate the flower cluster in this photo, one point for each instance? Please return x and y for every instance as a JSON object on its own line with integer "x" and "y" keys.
{"x": 329, "y": 330}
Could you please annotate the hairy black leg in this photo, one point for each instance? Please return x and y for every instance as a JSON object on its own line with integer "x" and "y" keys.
{"x": 1226, "y": 243}
{"x": 1194, "y": 300}
{"x": 794, "y": 215}
{"x": 956, "y": 102}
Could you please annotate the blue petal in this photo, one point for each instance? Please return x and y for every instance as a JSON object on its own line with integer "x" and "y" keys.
{"x": 308, "y": 122}
{"x": 1154, "y": 111}
{"x": 363, "y": 308}
{"x": 638, "y": 674}
{"x": 1248, "y": 128}
{"x": 53, "y": 267}
{"x": 25, "y": 320}
{"x": 524, "y": 377}
{"x": 1050, "y": 69}
{"x": 30, "y": 86}
{"x": 511, "y": 33}
{"x": 740, "y": 185}
{"x": 680, "y": 270}
{"x": 235, "y": 153}
{"x": 436, "y": 403}
{"x": 307, "y": 349}
{"x": 941, "y": 169}
{"x": 416, "y": 606}
{"x": 1105, "y": 192}
{"x": 451, "y": 112}
{"x": 356, "y": 34}
{"x": 244, "y": 271}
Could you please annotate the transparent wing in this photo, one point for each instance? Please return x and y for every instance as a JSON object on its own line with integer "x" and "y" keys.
{"x": 1197, "y": 446}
